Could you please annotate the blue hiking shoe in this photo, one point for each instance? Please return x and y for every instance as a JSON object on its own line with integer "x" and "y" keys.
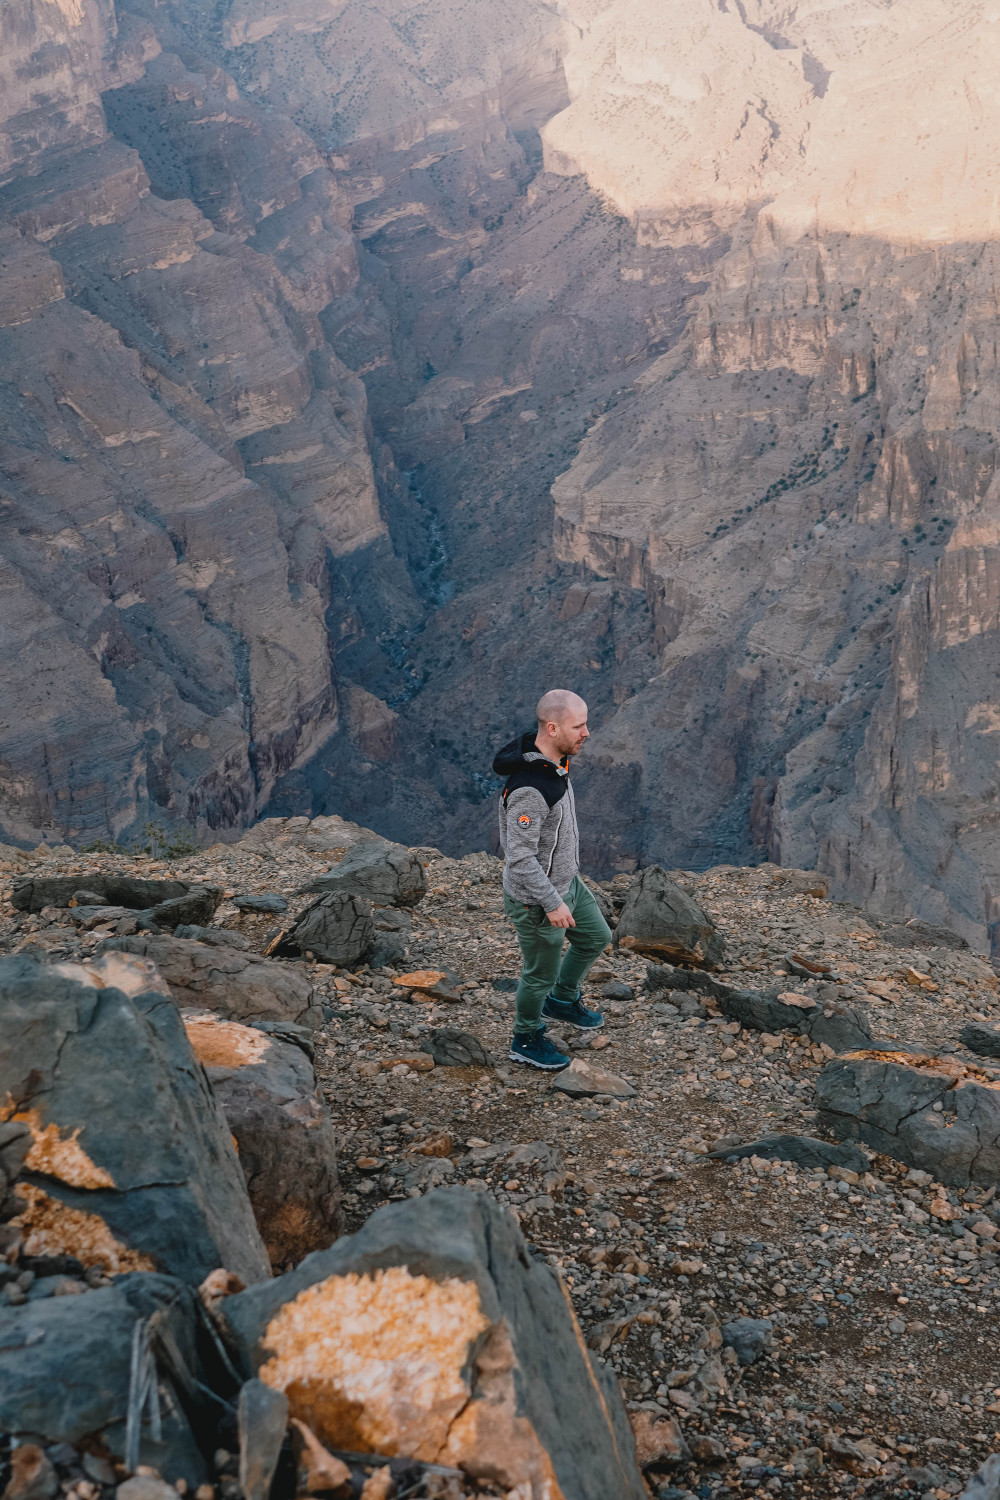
{"x": 572, "y": 1012}
{"x": 535, "y": 1049}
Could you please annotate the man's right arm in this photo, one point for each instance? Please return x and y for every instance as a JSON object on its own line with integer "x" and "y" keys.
{"x": 526, "y": 810}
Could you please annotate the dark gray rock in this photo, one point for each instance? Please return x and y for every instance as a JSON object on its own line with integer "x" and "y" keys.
{"x": 150, "y": 1159}
{"x": 985, "y": 1482}
{"x": 65, "y": 1364}
{"x": 388, "y": 950}
{"x": 196, "y": 906}
{"x": 616, "y": 989}
{"x": 285, "y": 1138}
{"x": 842, "y": 1026}
{"x": 512, "y": 1347}
{"x": 603, "y": 900}
{"x": 36, "y": 891}
{"x": 982, "y": 1039}
{"x": 262, "y": 1418}
{"x": 750, "y": 1337}
{"x": 801, "y": 1149}
{"x": 238, "y": 985}
{"x": 451, "y": 1048}
{"x": 886, "y": 1099}
{"x": 337, "y": 928}
{"x": 219, "y": 937}
{"x": 267, "y": 901}
{"x": 382, "y": 872}
{"x": 659, "y": 919}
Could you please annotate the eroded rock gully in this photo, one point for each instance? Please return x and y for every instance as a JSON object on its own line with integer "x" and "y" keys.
{"x": 783, "y": 1313}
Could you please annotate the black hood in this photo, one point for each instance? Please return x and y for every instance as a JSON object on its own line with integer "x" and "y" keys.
{"x": 511, "y": 757}
{"x": 523, "y": 764}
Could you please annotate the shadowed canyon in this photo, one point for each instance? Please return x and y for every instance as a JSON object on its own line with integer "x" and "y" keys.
{"x": 368, "y": 367}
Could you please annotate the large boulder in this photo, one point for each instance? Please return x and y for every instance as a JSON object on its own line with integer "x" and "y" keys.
{"x": 238, "y": 985}
{"x": 65, "y": 1366}
{"x": 384, "y": 873}
{"x": 660, "y": 920}
{"x": 168, "y": 902}
{"x": 286, "y": 1142}
{"x": 121, "y": 1155}
{"x": 888, "y": 1099}
{"x": 336, "y": 929}
{"x": 432, "y": 1334}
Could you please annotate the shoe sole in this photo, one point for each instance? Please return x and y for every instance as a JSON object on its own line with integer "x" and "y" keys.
{"x": 543, "y": 1067}
{"x": 562, "y": 1021}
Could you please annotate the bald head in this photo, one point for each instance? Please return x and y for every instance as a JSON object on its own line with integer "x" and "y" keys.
{"x": 562, "y": 723}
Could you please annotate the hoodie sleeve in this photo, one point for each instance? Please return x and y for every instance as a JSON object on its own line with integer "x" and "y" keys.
{"x": 526, "y": 811}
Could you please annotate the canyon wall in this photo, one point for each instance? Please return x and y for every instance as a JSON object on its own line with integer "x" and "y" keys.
{"x": 182, "y": 454}
{"x": 369, "y": 367}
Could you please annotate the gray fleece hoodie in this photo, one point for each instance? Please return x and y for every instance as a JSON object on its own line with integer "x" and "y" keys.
{"x": 538, "y": 830}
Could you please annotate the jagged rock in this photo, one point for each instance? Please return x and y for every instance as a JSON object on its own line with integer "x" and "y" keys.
{"x": 384, "y": 873}
{"x": 284, "y": 1135}
{"x": 239, "y": 985}
{"x": 749, "y": 1337}
{"x": 801, "y": 1149}
{"x": 985, "y": 1482}
{"x": 196, "y": 906}
{"x": 542, "y": 1158}
{"x": 660, "y": 920}
{"x": 131, "y": 1164}
{"x": 981, "y": 1038}
{"x": 337, "y": 929}
{"x": 451, "y": 1048}
{"x": 841, "y": 1025}
{"x": 262, "y": 1418}
{"x": 266, "y": 902}
{"x": 432, "y": 1333}
{"x": 36, "y": 891}
{"x": 219, "y": 937}
{"x": 804, "y": 882}
{"x": 582, "y": 1080}
{"x": 659, "y": 1441}
{"x": 431, "y": 984}
{"x": 886, "y": 1099}
{"x": 65, "y": 1364}
{"x": 604, "y": 903}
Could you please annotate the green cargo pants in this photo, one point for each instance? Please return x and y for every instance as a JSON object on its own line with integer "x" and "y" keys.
{"x": 545, "y": 970}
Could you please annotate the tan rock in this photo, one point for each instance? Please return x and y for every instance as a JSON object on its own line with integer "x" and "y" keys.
{"x": 658, "y": 1440}
{"x": 319, "y": 1472}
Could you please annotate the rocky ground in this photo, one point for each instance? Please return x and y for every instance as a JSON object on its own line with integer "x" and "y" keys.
{"x": 879, "y": 1373}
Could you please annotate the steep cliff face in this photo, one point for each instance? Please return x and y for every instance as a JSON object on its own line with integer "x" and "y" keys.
{"x": 805, "y": 490}
{"x": 182, "y": 452}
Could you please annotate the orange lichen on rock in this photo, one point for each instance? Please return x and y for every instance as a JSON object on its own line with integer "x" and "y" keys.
{"x": 225, "y": 1044}
{"x": 52, "y": 1228}
{"x": 53, "y": 1155}
{"x": 119, "y": 971}
{"x": 420, "y": 979}
{"x": 375, "y": 1363}
{"x": 489, "y": 1439}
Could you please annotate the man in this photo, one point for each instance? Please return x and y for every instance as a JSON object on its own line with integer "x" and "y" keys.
{"x": 543, "y": 894}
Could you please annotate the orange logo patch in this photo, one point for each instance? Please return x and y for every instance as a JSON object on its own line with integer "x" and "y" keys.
{"x": 524, "y": 820}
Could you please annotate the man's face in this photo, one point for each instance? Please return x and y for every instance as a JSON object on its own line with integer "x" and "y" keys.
{"x": 570, "y": 734}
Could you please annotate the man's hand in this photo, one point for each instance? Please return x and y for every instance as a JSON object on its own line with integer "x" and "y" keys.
{"x": 562, "y": 916}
